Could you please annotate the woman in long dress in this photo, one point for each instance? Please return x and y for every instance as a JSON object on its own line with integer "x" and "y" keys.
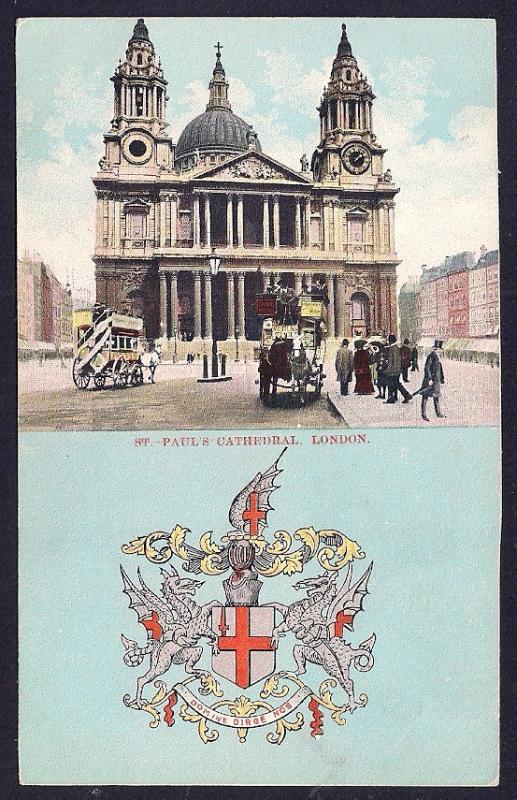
{"x": 363, "y": 378}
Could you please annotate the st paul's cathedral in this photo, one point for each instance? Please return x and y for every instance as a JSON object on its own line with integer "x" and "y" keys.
{"x": 163, "y": 207}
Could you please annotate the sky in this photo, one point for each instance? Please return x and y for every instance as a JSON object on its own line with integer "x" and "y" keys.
{"x": 435, "y": 113}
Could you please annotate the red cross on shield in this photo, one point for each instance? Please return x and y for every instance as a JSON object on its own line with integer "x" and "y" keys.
{"x": 244, "y": 640}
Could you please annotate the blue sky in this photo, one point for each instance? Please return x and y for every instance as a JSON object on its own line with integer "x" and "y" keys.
{"x": 435, "y": 113}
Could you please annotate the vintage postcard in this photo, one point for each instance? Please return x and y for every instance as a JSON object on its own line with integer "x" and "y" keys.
{"x": 231, "y": 259}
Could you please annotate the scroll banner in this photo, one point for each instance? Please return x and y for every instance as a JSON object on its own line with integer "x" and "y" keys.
{"x": 243, "y": 722}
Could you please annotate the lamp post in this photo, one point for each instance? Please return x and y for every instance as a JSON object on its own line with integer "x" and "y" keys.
{"x": 237, "y": 333}
{"x": 214, "y": 262}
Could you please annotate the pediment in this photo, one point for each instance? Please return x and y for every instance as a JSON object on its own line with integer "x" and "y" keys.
{"x": 253, "y": 167}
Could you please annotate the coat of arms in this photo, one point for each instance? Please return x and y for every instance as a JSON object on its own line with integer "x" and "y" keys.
{"x": 248, "y": 639}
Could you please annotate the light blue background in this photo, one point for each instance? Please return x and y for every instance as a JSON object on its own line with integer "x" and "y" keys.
{"x": 424, "y": 505}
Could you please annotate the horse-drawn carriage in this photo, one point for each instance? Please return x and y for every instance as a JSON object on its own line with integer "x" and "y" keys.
{"x": 108, "y": 346}
{"x": 292, "y": 347}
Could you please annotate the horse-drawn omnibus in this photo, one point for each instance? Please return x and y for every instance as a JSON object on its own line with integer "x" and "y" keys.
{"x": 292, "y": 347}
{"x": 107, "y": 346}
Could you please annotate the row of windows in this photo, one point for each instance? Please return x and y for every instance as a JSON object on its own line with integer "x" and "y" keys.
{"x": 122, "y": 343}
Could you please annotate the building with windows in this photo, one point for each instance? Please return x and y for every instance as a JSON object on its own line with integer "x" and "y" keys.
{"x": 162, "y": 207}
{"x": 44, "y": 307}
{"x": 410, "y": 324}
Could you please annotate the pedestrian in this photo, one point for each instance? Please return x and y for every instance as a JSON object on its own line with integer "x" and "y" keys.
{"x": 344, "y": 366}
{"x": 405, "y": 360}
{"x": 363, "y": 379}
{"x": 382, "y": 368}
{"x": 279, "y": 361}
{"x": 393, "y": 372}
{"x": 414, "y": 359}
{"x": 266, "y": 374}
{"x": 433, "y": 380}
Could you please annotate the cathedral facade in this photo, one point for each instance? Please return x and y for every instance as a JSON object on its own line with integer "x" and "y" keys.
{"x": 162, "y": 208}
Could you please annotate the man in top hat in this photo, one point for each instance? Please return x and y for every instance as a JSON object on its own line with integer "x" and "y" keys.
{"x": 433, "y": 380}
{"x": 344, "y": 366}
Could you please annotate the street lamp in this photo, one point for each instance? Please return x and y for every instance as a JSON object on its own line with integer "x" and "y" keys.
{"x": 237, "y": 332}
{"x": 175, "y": 337}
{"x": 214, "y": 262}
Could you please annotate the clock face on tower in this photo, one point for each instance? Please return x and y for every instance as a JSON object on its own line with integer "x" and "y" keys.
{"x": 137, "y": 147}
{"x": 356, "y": 158}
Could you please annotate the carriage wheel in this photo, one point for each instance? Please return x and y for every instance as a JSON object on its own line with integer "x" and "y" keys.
{"x": 137, "y": 376}
{"x": 99, "y": 380}
{"x": 120, "y": 380}
{"x": 81, "y": 378}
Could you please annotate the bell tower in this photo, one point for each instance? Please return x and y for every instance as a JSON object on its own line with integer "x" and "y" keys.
{"x": 348, "y": 150}
{"x": 137, "y": 142}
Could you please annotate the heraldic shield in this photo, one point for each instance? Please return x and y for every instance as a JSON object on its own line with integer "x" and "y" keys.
{"x": 246, "y": 653}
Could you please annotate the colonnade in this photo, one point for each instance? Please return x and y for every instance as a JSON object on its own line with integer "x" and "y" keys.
{"x": 381, "y": 298}
{"x": 346, "y": 114}
{"x": 132, "y": 97}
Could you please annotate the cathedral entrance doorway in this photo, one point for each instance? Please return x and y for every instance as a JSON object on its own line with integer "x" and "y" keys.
{"x": 360, "y": 314}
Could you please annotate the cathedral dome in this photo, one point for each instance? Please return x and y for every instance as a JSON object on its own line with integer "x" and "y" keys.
{"x": 217, "y": 132}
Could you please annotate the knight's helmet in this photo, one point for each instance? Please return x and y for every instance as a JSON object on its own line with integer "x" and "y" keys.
{"x": 241, "y": 554}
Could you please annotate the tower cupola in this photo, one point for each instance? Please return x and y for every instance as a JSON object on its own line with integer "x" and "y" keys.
{"x": 140, "y": 92}
{"x": 218, "y": 85}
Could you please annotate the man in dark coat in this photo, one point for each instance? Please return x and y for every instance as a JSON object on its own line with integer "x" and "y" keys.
{"x": 279, "y": 360}
{"x": 344, "y": 366}
{"x": 414, "y": 359}
{"x": 433, "y": 380}
{"x": 265, "y": 373}
{"x": 405, "y": 360}
{"x": 393, "y": 372}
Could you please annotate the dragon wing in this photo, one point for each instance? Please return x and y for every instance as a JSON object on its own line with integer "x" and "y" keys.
{"x": 146, "y": 603}
{"x": 262, "y": 485}
{"x": 349, "y": 600}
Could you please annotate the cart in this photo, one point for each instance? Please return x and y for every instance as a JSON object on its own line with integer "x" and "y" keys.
{"x": 301, "y": 345}
{"x": 107, "y": 347}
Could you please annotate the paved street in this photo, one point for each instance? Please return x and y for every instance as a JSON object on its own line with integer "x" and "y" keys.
{"x": 176, "y": 401}
{"x": 50, "y": 401}
{"x": 470, "y": 397}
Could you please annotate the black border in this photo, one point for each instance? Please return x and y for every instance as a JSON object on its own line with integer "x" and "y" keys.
{"x": 503, "y": 12}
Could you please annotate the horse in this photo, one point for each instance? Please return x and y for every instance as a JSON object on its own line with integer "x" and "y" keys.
{"x": 151, "y": 361}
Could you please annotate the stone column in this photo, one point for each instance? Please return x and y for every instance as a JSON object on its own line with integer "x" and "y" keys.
{"x": 208, "y": 304}
{"x": 155, "y": 101}
{"x": 240, "y": 305}
{"x": 340, "y": 306}
{"x": 229, "y": 220}
{"x": 340, "y": 113}
{"x": 276, "y": 221}
{"x": 307, "y": 222}
{"x": 196, "y": 226}
{"x": 163, "y": 304}
{"x": 197, "y": 305}
{"x": 326, "y": 227}
{"x": 265, "y": 222}
{"x": 208, "y": 236}
{"x": 174, "y": 301}
{"x": 391, "y": 225}
{"x": 331, "y": 327}
{"x": 347, "y": 115}
{"x": 163, "y": 232}
{"x": 240, "y": 221}
{"x": 116, "y": 228}
{"x": 298, "y": 277}
{"x": 231, "y": 305}
{"x": 174, "y": 219}
{"x": 338, "y": 232}
{"x": 298, "y": 223}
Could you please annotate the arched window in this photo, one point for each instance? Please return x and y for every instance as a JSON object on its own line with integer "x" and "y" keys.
{"x": 349, "y": 74}
{"x": 139, "y": 59}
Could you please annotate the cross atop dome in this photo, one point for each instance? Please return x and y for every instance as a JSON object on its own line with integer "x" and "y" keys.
{"x": 218, "y": 85}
